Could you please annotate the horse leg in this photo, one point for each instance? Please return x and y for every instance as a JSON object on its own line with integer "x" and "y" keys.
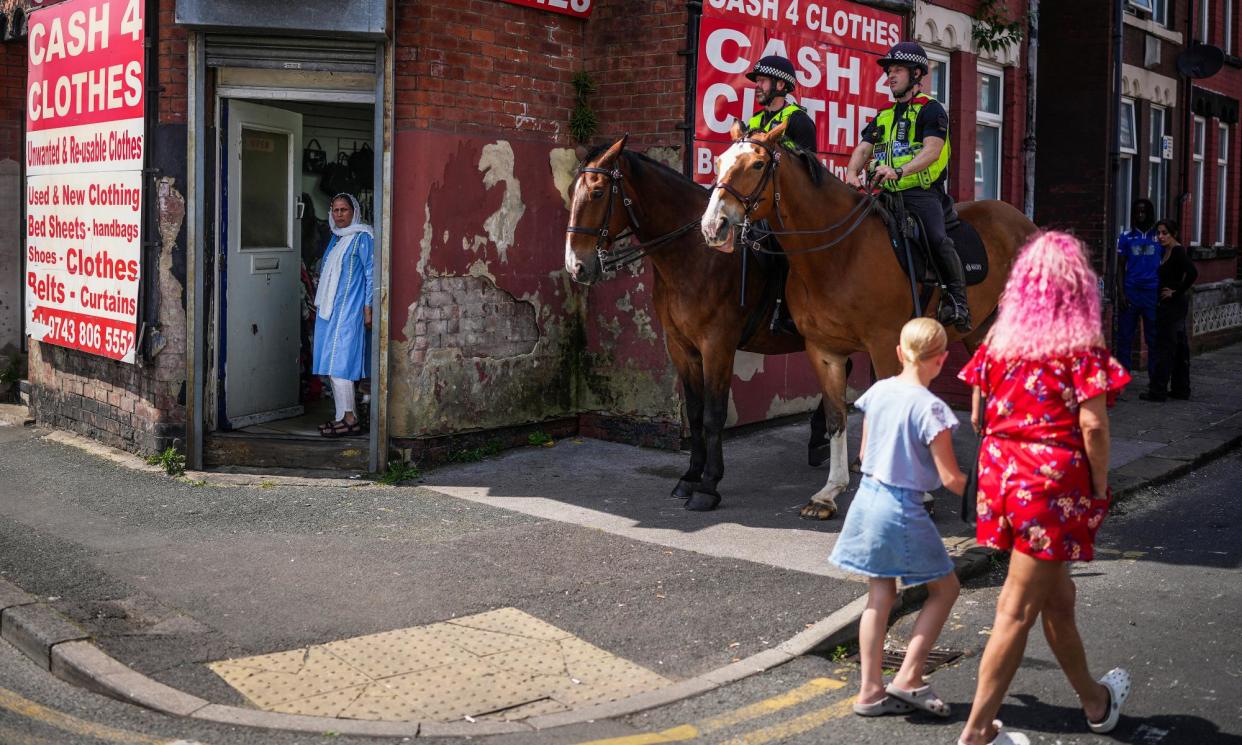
{"x": 830, "y": 369}
{"x": 818, "y": 449}
{"x": 717, "y": 374}
{"x": 690, "y": 370}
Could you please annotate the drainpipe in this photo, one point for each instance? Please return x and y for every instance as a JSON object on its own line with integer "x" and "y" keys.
{"x": 1032, "y": 76}
{"x": 1114, "y": 161}
{"x": 1185, "y": 88}
{"x": 694, "y": 13}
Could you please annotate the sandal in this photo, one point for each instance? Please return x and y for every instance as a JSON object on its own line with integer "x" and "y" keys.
{"x": 342, "y": 428}
{"x": 883, "y": 707}
{"x": 326, "y": 427}
{"x": 1117, "y": 681}
{"x": 924, "y": 699}
{"x": 1003, "y": 737}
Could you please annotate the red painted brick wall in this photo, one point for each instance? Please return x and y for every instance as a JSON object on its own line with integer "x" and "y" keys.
{"x": 173, "y": 60}
{"x": 486, "y": 67}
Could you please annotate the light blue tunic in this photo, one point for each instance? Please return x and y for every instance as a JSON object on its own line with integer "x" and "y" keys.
{"x": 341, "y": 341}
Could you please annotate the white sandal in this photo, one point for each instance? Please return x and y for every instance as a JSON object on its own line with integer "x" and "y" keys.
{"x": 1117, "y": 681}
{"x": 1003, "y": 737}
{"x": 923, "y": 699}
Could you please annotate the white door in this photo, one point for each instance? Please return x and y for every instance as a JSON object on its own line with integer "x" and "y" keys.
{"x": 263, "y": 271}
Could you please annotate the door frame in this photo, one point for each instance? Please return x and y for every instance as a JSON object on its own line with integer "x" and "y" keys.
{"x": 199, "y": 362}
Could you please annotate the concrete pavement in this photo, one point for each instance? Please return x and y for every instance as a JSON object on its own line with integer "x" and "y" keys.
{"x": 168, "y": 575}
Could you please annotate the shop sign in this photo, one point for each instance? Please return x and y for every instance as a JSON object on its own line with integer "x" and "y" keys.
{"x": 85, "y": 130}
{"x": 833, "y": 45}
{"x": 575, "y": 8}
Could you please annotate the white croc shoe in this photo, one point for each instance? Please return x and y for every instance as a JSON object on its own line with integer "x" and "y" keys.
{"x": 1117, "y": 681}
{"x": 1005, "y": 738}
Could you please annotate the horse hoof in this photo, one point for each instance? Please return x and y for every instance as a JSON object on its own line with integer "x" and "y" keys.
{"x": 684, "y": 489}
{"x": 818, "y": 511}
{"x": 817, "y": 454}
{"x": 703, "y": 502}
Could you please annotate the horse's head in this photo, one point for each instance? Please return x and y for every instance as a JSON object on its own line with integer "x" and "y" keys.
{"x": 745, "y": 184}
{"x": 597, "y": 215}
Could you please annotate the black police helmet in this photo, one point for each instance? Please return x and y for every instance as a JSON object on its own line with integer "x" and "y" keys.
{"x": 908, "y": 53}
{"x": 775, "y": 67}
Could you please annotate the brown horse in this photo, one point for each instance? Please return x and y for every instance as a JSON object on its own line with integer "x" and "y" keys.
{"x": 697, "y": 292}
{"x": 846, "y": 291}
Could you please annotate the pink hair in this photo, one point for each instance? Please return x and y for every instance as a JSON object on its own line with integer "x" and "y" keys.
{"x": 1051, "y": 303}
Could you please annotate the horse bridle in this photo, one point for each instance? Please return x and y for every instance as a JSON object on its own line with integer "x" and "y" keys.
{"x": 863, "y": 208}
{"x": 608, "y": 261}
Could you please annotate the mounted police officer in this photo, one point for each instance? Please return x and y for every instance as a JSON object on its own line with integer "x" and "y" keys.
{"x": 910, "y": 141}
{"x": 774, "y": 79}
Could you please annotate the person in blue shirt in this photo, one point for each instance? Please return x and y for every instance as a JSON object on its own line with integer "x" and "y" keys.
{"x": 1138, "y": 261}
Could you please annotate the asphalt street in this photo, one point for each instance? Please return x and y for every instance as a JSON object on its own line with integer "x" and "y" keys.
{"x": 1162, "y": 600}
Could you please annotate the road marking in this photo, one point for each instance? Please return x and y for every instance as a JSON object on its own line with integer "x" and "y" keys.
{"x": 799, "y": 725}
{"x": 31, "y": 710}
{"x": 806, "y": 692}
{"x": 803, "y": 693}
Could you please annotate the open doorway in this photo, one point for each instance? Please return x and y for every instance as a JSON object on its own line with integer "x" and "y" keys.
{"x": 279, "y": 164}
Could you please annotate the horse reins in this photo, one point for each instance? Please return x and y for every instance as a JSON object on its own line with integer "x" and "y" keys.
{"x": 610, "y": 262}
{"x": 863, "y": 208}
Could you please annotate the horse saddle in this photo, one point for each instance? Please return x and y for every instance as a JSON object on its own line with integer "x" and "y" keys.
{"x": 965, "y": 239}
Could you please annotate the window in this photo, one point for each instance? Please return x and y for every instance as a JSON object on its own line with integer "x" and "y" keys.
{"x": 1160, "y": 12}
{"x": 1157, "y": 166}
{"x": 1142, "y": 5}
{"x": 988, "y": 120}
{"x": 1222, "y": 182}
{"x": 1196, "y": 182}
{"x": 938, "y": 81}
{"x": 1125, "y": 177}
{"x": 1227, "y": 43}
{"x": 1205, "y": 12}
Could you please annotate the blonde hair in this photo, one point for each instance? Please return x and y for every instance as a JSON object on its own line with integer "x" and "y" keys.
{"x": 921, "y": 339}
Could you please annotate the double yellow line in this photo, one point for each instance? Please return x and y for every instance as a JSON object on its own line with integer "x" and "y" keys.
{"x": 805, "y": 723}
{"x": 37, "y": 712}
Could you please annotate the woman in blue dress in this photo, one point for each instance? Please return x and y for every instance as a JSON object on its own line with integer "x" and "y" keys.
{"x": 343, "y": 312}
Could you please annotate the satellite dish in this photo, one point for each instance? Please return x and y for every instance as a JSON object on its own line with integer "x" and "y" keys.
{"x": 1200, "y": 61}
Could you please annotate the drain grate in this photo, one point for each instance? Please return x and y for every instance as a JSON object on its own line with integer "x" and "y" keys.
{"x": 894, "y": 658}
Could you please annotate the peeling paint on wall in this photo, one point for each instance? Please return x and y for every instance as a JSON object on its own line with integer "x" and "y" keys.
{"x": 747, "y": 364}
{"x": 497, "y": 167}
{"x": 797, "y": 405}
{"x": 564, "y": 164}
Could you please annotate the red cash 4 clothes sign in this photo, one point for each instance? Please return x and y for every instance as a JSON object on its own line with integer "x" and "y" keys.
{"x": 575, "y": 8}
{"x": 85, "y": 147}
{"x": 833, "y": 45}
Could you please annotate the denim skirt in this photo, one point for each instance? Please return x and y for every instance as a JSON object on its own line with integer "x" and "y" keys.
{"x": 887, "y": 533}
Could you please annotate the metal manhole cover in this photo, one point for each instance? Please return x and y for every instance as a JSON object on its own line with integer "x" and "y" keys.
{"x": 894, "y": 658}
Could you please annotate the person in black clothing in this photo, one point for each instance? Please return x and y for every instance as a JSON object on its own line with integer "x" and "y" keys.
{"x": 1171, "y": 354}
{"x": 774, "y": 79}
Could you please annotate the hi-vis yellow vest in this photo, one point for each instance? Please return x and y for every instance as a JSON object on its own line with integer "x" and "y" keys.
{"x": 896, "y": 149}
{"x": 756, "y": 122}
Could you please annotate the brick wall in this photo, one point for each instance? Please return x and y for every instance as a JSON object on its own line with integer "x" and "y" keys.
{"x": 172, "y": 69}
{"x": 485, "y": 66}
{"x": 632, "y": 53}
{"x": 12, "y": 99}
{"x": 1072, "y": 180}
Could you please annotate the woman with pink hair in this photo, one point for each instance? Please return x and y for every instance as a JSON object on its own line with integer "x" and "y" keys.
{"x": 1044, "y": 374}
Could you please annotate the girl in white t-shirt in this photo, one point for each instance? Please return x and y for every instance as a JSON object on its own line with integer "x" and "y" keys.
{"x": 907, "y": 449}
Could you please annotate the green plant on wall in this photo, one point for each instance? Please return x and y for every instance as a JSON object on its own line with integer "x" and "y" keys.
{"x": 991, "y": 31}
{"x": 583, "y": 123}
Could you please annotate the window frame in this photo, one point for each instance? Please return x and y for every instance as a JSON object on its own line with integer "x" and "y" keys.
{"x": 1198, "y": 149}
{"x": 1127, "y": 104}
{"x": 993, "y": 121}
{"x": 1227, "y": 41}
{"x": 1204, "y": 24}
{"x": 1222, "y": 183}
{"x": 1155, "y": 160}
{"x": 935, "y": 55}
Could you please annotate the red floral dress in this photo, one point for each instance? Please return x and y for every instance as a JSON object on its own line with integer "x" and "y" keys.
{"x": 1035, "y": 493}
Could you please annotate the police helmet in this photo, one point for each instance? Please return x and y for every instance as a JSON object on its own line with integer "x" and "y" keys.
{"x": 775, "y": 67}
{"x": 908, "y": 53}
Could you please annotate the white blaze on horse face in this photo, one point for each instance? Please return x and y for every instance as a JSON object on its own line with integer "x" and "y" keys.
{"x": 572, "y": 264}
{"x": 717, "y": 207}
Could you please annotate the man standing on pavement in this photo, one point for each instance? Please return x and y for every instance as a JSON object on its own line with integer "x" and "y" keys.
{"x": 1138, "y": 264}
{"x": 910, "y": 140}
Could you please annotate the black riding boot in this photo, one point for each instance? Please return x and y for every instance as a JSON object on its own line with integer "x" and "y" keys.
{"x": 954, "y": 310}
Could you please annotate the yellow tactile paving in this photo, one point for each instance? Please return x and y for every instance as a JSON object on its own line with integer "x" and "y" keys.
{"x": 503, "y": 664}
